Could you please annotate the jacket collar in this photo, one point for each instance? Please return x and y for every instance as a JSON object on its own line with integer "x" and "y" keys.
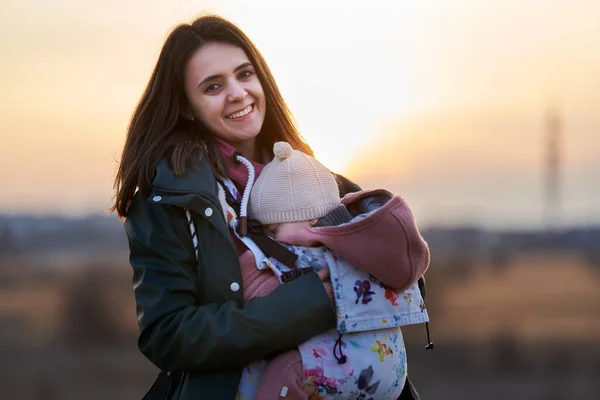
{"x": 195, "y": 190}
{"x": 200, "y": 181}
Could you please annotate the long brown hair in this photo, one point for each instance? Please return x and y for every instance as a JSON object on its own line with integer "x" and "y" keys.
{"x": 158, "y": 128}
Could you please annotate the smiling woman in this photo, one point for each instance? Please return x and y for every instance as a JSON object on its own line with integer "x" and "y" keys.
{"x": 211, "y": 98}
{"x": 226, "y": 95}
{"x": 207, "y": 121}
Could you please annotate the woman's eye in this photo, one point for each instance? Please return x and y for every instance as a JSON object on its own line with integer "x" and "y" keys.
{"x": 211, "y": 88}
{"x": 245, "y": 74}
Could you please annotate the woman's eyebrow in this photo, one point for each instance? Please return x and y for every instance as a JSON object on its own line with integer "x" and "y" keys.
{"x": 210, "y": 78}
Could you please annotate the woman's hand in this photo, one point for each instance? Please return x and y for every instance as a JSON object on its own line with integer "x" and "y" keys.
{"x": 311, "y": 392}
{"x": 324, "y": 276}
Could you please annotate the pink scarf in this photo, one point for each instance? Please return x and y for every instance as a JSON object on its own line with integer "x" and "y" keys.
{"x": 237, "y": 173}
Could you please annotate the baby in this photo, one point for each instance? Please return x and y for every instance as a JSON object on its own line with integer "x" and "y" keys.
{"x": 372, "y": 248}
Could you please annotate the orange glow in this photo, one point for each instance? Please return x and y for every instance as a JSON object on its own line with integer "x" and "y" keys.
{"x": 401, "y": 90}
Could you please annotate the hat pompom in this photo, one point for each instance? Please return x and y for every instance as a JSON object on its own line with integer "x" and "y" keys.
{"x": 282, "y": 150}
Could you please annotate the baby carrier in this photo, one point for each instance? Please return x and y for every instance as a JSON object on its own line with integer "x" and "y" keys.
{"x": 251, "y": 233}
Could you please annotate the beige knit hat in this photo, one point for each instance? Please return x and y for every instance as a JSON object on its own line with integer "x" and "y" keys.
{"x": 293, "y": 187}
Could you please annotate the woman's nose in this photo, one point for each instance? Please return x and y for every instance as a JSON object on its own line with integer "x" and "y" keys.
{"x": 236, "y": 93}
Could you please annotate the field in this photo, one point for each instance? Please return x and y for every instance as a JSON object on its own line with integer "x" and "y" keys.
{"x": 528, "y": 330}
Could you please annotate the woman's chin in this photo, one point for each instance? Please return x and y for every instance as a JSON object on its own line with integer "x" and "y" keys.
{"x": 242, "y": 135}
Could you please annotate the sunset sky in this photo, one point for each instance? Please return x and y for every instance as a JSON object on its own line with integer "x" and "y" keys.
{"x": 442, "y": 102}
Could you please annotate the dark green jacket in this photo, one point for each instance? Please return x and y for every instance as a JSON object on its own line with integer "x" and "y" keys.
{"x": 191, "y": 320}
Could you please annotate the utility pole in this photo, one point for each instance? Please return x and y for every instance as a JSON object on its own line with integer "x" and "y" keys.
{"x": 552, "y": 166}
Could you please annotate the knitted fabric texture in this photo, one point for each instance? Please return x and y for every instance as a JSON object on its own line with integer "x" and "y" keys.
{"x": 293, "y": 187}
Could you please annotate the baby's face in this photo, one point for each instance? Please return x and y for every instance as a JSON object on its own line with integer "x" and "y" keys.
{"x": 286, "y": 228}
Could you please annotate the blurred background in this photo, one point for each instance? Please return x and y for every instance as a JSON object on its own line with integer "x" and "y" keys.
{"x": 484, "y": 116}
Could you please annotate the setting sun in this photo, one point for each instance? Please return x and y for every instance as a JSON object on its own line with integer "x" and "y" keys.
{"x": 378, "y": 89}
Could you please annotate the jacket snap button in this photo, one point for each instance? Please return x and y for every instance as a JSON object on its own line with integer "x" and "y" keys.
{"x": 234, "y": 287}
{"x": 157, "y": 198}
{"x": 208, "y": 212}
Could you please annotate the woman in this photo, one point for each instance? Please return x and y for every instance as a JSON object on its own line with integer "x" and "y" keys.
{"x": 211, "y": 97}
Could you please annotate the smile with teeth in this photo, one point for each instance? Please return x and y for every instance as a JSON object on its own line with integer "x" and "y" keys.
{"x": 240, "y": 114}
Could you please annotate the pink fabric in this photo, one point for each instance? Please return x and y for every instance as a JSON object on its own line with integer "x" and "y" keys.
{"x": 255, "y": 282}
{"x": 284, "y": 370}
{"x": 386, "y": 244}
{"x": 237, "y": 173}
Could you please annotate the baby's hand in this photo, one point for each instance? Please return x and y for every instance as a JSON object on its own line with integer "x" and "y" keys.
{"x": 300, "y": 238}
{"x": 324, "y": 276}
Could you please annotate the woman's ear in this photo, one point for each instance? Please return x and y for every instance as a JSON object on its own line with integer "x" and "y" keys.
{"x": 313, "y": 222}
{"x": 187, "y": 114}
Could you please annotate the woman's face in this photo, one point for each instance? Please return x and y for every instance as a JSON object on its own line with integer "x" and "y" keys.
{"x": 225, "y": 94}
